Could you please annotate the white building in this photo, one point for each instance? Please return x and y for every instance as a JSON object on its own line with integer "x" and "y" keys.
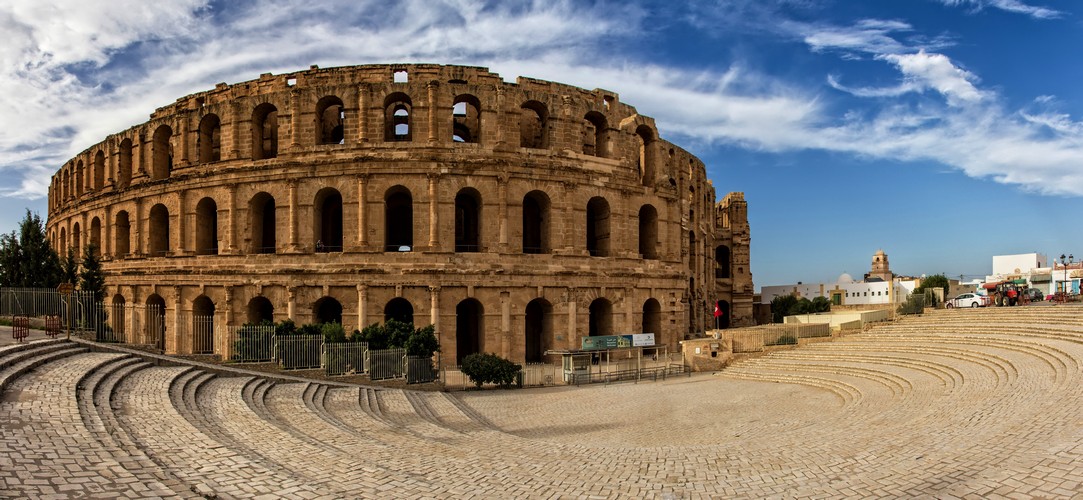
{"x": 1027, "y": 268}
{"x": 845, "y": 291}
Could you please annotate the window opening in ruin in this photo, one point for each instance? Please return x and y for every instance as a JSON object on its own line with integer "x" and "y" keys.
{"x": 63, "y": 250}
{"x": 595, "y": 135}
{"x": 206, "y": 227}
{"x": 601, "y": 318}
{"x": 330, "y": 121}
{"x": 265, "y": 132}
{"x": 652, "y": 318}
{"x": 399, "y": 309}
{"x": 722, "y": 261}
{"x": 262, "y": 222}
{"x": 79, "y": 179}
{"x": 469, "y": 329}
{"x": 95, "y": 236}
{"x": 99, "y": 170}
{"x": 538, "y": 330}
{"x": 607, "y": 102}
{"x": 692, "y": 250}
{"x": 327, "y": 227}
{"x": 124, "y": 173}
{"x": 397, "y": 110}
{"x": 724, "y": 319}
{"x": 162, "y": 163}
{"x": 401, "y": 76}
{"x": 466, "y": 118}
{"x": 67, "y": 184}
{"x": 467, "y": 221}
{"x": 209, "y": 141}
{"x": 158, "y": 241}
{"x": 456, "y": 81}
{"x": 202, "y": 325}
{"x": 598, "y": 227}
{"x": 327, "y": 310}
{"x": 122, "y": 235}
{"x": 536, "y": 223}
{"x": 648, "y": 232}
{"x": 76, "y": 247}
{"x": 260, "y": 309}
{"x": 155, "y": 327}
{"x": 533, "y": 121}
{"x": 646, "y": 155}
{"x": 291, "y": 82}
{"x": 398, "y": 220}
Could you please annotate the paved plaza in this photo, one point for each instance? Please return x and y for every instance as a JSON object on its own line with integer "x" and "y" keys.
{"x": 964, "y": 403}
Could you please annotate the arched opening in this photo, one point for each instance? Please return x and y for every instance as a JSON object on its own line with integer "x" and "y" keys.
{"x": 122, "y": 234}
{"x": 260, "y": 309}
{"x": 162, "y": 159}
{"x": 398, "y": 220}
{"x": 397, "y": 111}
{"x": 99, "y": 170}
{"x": 327, "y": 226}
{"x": 723, "y": 321}
{"x": 598, "y": 227}
{"x": 327, "y": 310}
{"x": 76, "y": 241}
{"x": 95, "y": 236}
{"x": 155, "y": 321}
{"x": 399, "y": 309}
{"x": 652, "y": 318}
{"x": 595, "y": 135}
{"x": 158, "y": 242}
{"x": 330, "y": 121}
{"x": 116, "y": 318}
{"x": 538, "y": 329}
{"x": 63, "y": 243}
{"x": 79, "y": 174}
{"x": 466, "y": 119}
{"x": 536, "y": 223}
{"x": 692, "y": 251}
{"x": 722, "y": 261}
{"x": 207, "y": 227}
{"x": 261, "y": 221}
{"x": 264, "y": 132}
{"x": 469, "y": 329}
{"x": 202, "y": 325}
{"x": 601, "y": 318}
{"x": 124, "y": 169}
{"x": 648, "y": 232}
{"x": 209, "y": 141}
{"x": 533, "y": 125}
{"x": 67, "y": 184}
{"x": 468, "y": 221}
{"x": 646, "y": 155}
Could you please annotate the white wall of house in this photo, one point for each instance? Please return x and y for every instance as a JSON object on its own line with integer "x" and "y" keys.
{"x": 1004, "y": 265}
{"x": 853, "y": 293}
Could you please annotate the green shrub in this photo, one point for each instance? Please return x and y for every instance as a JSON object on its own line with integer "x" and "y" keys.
{"x": 490, "y": 368}
{"x": 333, "y": 332}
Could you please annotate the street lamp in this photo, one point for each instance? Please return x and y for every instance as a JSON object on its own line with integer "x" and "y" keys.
{"x": 1064, "y": 263}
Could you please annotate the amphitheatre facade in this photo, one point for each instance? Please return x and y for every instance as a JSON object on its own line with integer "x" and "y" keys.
{"x": 515, "y": 217}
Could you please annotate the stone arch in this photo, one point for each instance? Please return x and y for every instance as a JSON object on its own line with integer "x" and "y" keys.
{"x": 124, "y": 167}
{"x": 122, "y": 234}
{"x": 155, "y": 320}
{"x": 99, "y": 170}
{"x": 327, "y": 223}
{"x": 265, "y": 132}
{"x": 259, "y": 310}
{"x": 63, "y": 242}
{"x": 652, "y": 318}
{"x": 162, "y": 157}
{"x": 646, "y": 137}
{"x": 533, "y": 125}
{"x": 538, "y": 330}
{"x": 399, "y": 309}
{"x": 327, "y": 310}
{"x": 398, "y": 109}
{"x": 601, "y": 317}
{"x": 158, "y": 234}
{"x": 466, "y": 119}
{"x": 116, "y": 317}
{"x": 330, "y": 121}
{"x": 207, "y": 227}
{"x": 468, "y": 220}
{"x": 598, "y": 227}
{"x": 469, "y": 329}
{"x": 95, "y": 238}
{"x": 67, "y": 183}
{"x": 262, "y": 224}
{"x": 595, "y": 135}
{"x": 79, "y": 174}
{"x": 536, "y": 223}
{"x": 722, "y": 261}
{"x": 209, "y": 141}
{"x": 202, "y": 325}
{"x": 398, "y": 220}
{"x": 648, "y": 232}
{"x": 76, "y": 240}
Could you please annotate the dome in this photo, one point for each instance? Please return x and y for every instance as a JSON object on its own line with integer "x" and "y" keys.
{"x": 845, "y": 279}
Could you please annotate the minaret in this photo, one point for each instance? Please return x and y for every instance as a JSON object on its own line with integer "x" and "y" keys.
{"x": 880, "y": 268}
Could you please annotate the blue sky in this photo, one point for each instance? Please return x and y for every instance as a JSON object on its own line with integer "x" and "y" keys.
{"x": 942, "y": 131}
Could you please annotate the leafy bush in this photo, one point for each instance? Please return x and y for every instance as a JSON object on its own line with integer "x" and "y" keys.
{"x": 253, "y": 343}
{"x": 396, "y": 334}
{"x": 333, "y": 332}
{"x": 490, "y": 368}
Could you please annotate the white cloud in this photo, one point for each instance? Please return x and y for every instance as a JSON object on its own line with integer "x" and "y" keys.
{"x": 1015, "y": 6}
{"x": 937, "y": 72}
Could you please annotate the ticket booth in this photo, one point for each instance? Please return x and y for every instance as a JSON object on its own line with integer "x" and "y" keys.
{"x": 576, "y": 364}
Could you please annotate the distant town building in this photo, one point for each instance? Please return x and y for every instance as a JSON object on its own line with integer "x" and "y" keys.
{"x": 879, "y": 287}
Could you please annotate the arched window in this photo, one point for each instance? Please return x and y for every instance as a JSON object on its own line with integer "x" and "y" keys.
{"x": 646, "y": 155}
{"x": 124, "y": 170}
{"x": 327, "y": 226}
{"x": 79, "y": 174}
{"x": 722, "y": 261}
{"x": 202, "y": 325}
{"x": 261, "y": 221}
{"x": 469, "y": 329}
{"x": 121, "y": 235}
{"x": 598, "y": 227}
{"x": 265, "y": 132}
{"x": 468, "y": 221}
{"x": 207, "y": 227}
{"x": 99, "y": 170}
{"x": 76, "y": 244}
{"x": 398, "y": 220}
{"x": 595, "y": 135}
{"x": 95, "y": 236}
{"x": 327, "y": 310}
{"x": 397, "y": 112}
{"x": 260, "y": 309}
{"x": 601, "y": 318}
{"x": 63, "y": 250}
{"x": 162, "y": 159}
{"x": 67, "y": 184}
{"x": 652, "y": 318}
{"x": 466, "y": 119}
{"x": 538, "y": 330}
{"x": 155, "y": 321}
{"x": 536, "y": 223}
{"x": 209, "y": 141}
{"x": 648, "y": 232}
{"x": 158, "y": 241}
{"x": 330, "y": 121}
{"x": 533, "y": 125}
{"x": 399, "y": 309}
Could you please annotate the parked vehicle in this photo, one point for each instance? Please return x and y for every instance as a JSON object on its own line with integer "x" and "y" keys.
{"x": 967, "y": 300}
{"x": 1035, "y": 294}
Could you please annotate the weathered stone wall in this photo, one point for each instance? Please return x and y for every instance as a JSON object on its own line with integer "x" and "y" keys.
{"x": 293, "y": 189}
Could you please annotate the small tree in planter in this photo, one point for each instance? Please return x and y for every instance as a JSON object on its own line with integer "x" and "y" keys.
{"x": 489, "y": 368}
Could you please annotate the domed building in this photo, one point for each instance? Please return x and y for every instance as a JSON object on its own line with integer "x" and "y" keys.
{"x": 515, "y": 217}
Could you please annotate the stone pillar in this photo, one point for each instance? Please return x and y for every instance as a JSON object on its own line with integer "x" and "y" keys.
{"x": 362, "y": 305}
{"x": 573, "y": 339}
{"x": 362, "y": 229}
{"x": 433, "y": 128}
{"x": 569, "y": 232}
{"x": 293, "y": 216}
{"x": 181, "y": 218}
{"x": 231, "y": 221}
{"x": 138, "y": 250}
{"x": 501, "y": 138}
{"x": 229, "y": 306}
{"x": 502, "y": 213}
{"x": 295, "y": 118}
{"x": 434, "y": 217}
{"x": 434, "y": 313}
{"x": 183, "y": 129}
{"x": 107, "y": 245}
{"x": 235, "y": 130}
{"x": 362, "y": 114}
{"x": 505, "y": 325}
{"x": 130, "y": 323}
{"x": 178, "y": 342}
{"x": 291, "y": 301}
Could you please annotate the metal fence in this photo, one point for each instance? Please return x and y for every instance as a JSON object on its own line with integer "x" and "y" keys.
{"x": 606, "y": 366}
{"x": 346, "y": 358}
{"x": 250, "y": 344}
{"x": 387, "y": 363}
{"x": 132, "y": 324}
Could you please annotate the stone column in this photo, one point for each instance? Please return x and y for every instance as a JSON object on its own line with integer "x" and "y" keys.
{"x": 138, "y": 250}
{"x": 235, "y": 130}
{"x": 183, "y": 129}
{"x": 505, "y": 325}
{"x": 434, "y": 313}
{"x": 501, "y": 138}
{"x": 295, "y": 118}
{"x": 362, "y": 114}
{"x": 177, "y": 341}
{"x": 291, "y": 301}
{"x": 433, "y": 128}
{"x": 107, "y": 245}
{"x": 362, "y": 229}
{"x": 293, "y": 216}
{"x": 434, "y": 217}
{"x": 181, "y": 218}
{"x": 231, "y": 222}
{"x": 130, "y": 324}
{"x": 502, "y": 213}
{"x": 573, "y": 339}
{"x": 362, "y": 305}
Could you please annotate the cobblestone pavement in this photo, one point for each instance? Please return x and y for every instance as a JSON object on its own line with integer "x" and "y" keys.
{"x": 964, "y": 403}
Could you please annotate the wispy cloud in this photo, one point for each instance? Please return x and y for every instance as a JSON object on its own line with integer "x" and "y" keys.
{"x": 1015, "y": 6}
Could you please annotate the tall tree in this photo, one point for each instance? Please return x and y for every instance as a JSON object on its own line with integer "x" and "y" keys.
{"x": 26, "y": 259}
{"x": 91, "y": 278}
{"x": 69, "y": 269}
